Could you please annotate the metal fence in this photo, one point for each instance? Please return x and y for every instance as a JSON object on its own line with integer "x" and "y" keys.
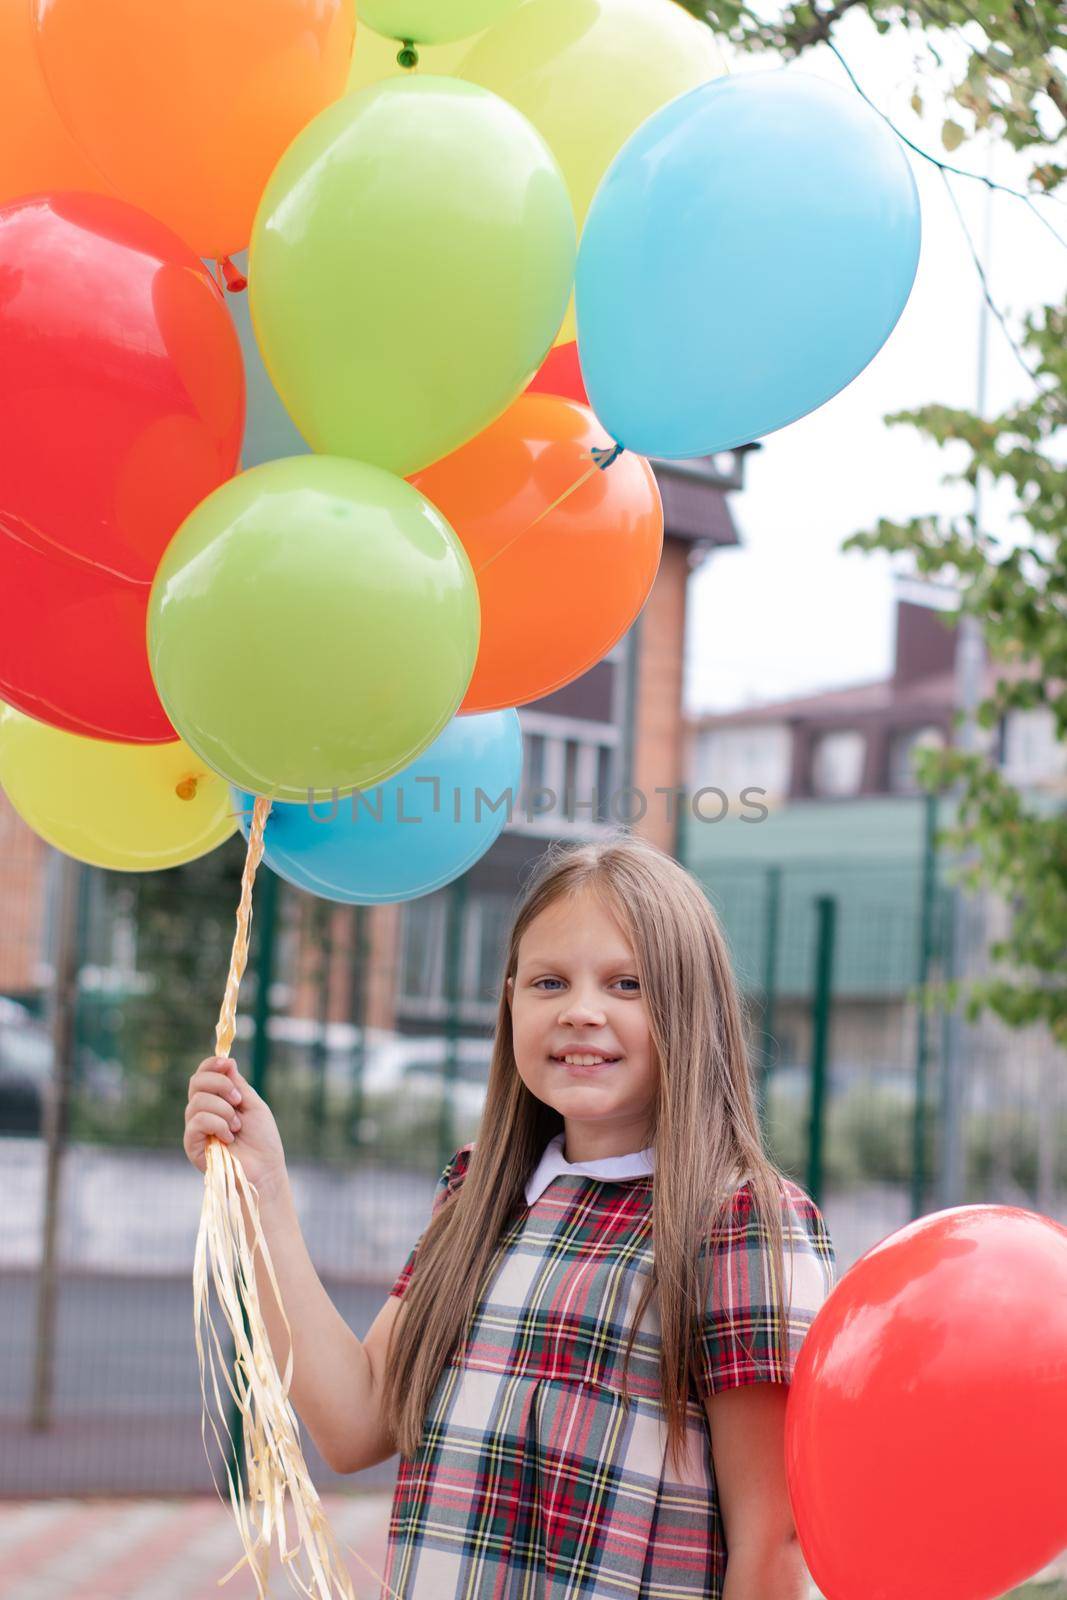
{"x": 374, "y": 1083}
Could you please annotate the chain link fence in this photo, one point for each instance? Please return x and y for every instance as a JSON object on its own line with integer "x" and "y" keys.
{"x": 369, "y": 1032}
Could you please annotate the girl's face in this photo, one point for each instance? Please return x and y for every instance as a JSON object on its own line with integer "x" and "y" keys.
{"x": 581, "y": 1030}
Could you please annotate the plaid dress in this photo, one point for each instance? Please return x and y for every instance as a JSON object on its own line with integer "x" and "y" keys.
{"x": 531, "y": 1481}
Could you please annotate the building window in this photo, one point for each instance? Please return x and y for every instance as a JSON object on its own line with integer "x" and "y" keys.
{"x": 533, "y": 760}
{"x": 837, "y": 763}
{"x": 422, "y": 949}
{"x": 569, "y": 776}
{"x": 903, "y": 749}
{"x": 424, "y": 962}
{"x": 485, "y": 932}
{"x": 1032, "y": 754}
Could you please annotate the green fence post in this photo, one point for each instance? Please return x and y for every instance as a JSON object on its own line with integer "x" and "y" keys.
{"x": 264, "y": 920}
{"x": 922, "y": 1042}
{"x": 771, "y": 920}
{"x": 457, "y": 901}
{"x": 826, "y": 923}
{"x": 359, "y": 1017}
{"x": 319, "y": 1054}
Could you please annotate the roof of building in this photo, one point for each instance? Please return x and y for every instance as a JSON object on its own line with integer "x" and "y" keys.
{"x": 696, "y": 510}
{"x": 935, "y": 694}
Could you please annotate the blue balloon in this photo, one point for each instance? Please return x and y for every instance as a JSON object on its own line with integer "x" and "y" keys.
{"x": 747, "y": 253}
{"x": 412, "y": 834}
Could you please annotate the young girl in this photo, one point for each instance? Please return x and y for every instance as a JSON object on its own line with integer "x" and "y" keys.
{"x": 584, "y": 1362}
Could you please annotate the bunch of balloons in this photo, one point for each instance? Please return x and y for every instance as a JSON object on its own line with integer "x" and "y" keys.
{"x": 423, "y": 384}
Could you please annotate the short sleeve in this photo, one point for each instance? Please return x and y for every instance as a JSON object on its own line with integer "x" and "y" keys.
{"x": 739, "y": 1336}
{"x": 447, "y": 1185}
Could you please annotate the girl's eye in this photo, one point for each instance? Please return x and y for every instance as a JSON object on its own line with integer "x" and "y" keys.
{"x": 636, "y": 983}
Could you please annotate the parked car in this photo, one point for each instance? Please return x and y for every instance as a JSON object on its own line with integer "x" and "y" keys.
{"x": 27, "y": 1055}
{"x": 414, "y": 1065}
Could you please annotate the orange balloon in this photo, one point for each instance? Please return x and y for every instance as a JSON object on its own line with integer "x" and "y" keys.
{"x": 185, "y": 106}
{"x": 37, "y": 154}
{"x": 559, "y": 584}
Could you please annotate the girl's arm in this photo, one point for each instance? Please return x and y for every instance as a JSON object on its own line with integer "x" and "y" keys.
{"x": 764, "y": 1560}
{"x": 337, "y": 1378}
{"x": 336, "y": 1382}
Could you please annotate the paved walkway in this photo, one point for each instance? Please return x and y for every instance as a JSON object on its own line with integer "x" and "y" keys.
{"x": 170, "y": 1549}
{"x": 158, "y": 1549}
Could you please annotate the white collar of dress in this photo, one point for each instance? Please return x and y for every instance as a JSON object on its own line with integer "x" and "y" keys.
{"x": 609, "y": 1169}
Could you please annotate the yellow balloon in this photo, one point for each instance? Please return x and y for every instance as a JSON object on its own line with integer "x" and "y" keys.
{"x": 587, "y": 73}
{"x": 127, "y": 807}
{"x": 374, "y": 58}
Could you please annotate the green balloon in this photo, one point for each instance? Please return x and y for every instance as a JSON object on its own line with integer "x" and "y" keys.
{"x": 313, "y": 625}
{"x": 411, "y": 261}
{"x": 432, "y": 21}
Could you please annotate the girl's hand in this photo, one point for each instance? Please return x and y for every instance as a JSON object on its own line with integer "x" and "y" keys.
{"x": 224, "y": 1106}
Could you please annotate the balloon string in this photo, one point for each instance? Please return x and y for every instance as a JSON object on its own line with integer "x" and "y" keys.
{"x": 226, "y": 1026}
{"x": 32, "y": 537}
{"x": 603, "y": 456}
{"x": 276, "y": 1472}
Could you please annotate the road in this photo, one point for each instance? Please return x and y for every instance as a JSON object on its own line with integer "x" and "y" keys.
{"x": 127, "y": 1393}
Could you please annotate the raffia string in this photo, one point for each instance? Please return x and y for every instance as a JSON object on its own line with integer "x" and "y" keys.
{"x": 274, "y": 1461}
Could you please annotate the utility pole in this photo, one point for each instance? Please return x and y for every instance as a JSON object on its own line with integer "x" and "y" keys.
{"x": 56, "y": 1123}
{"x": 960, "y": 1037}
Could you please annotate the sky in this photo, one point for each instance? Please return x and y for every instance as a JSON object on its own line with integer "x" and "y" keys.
{"x": 787, "y": 612}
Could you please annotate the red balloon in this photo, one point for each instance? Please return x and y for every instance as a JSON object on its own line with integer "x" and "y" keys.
{"x": 72, "y": 647}
{"x": 926, "y": 1419}
{"x": 121, "y": 382}
{"x": 560, "y": 374}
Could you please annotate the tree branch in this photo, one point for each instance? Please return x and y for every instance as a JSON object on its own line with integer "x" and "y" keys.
{"x": 819, "y": 31}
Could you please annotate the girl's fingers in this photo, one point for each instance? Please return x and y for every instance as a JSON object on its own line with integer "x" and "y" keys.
{"x": 210, "y": 1102}
{"x": 207, "y": 1123}
{"x": 214, "y": 1083}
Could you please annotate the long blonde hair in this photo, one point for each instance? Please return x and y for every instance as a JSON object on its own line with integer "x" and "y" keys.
{"x": 705, "y": 1130}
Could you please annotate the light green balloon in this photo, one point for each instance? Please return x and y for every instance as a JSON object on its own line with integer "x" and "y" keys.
{"x": 313, "y": 625}
{"x": 432, "y": 21}
{"x": 411, "y": 261}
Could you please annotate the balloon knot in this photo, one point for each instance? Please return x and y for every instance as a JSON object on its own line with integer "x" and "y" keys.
{"x": 235, "y": 280}
{"x": 407, "y": 56}
{"x": 186, "y": 790}
{"x": 603, "y": 456}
